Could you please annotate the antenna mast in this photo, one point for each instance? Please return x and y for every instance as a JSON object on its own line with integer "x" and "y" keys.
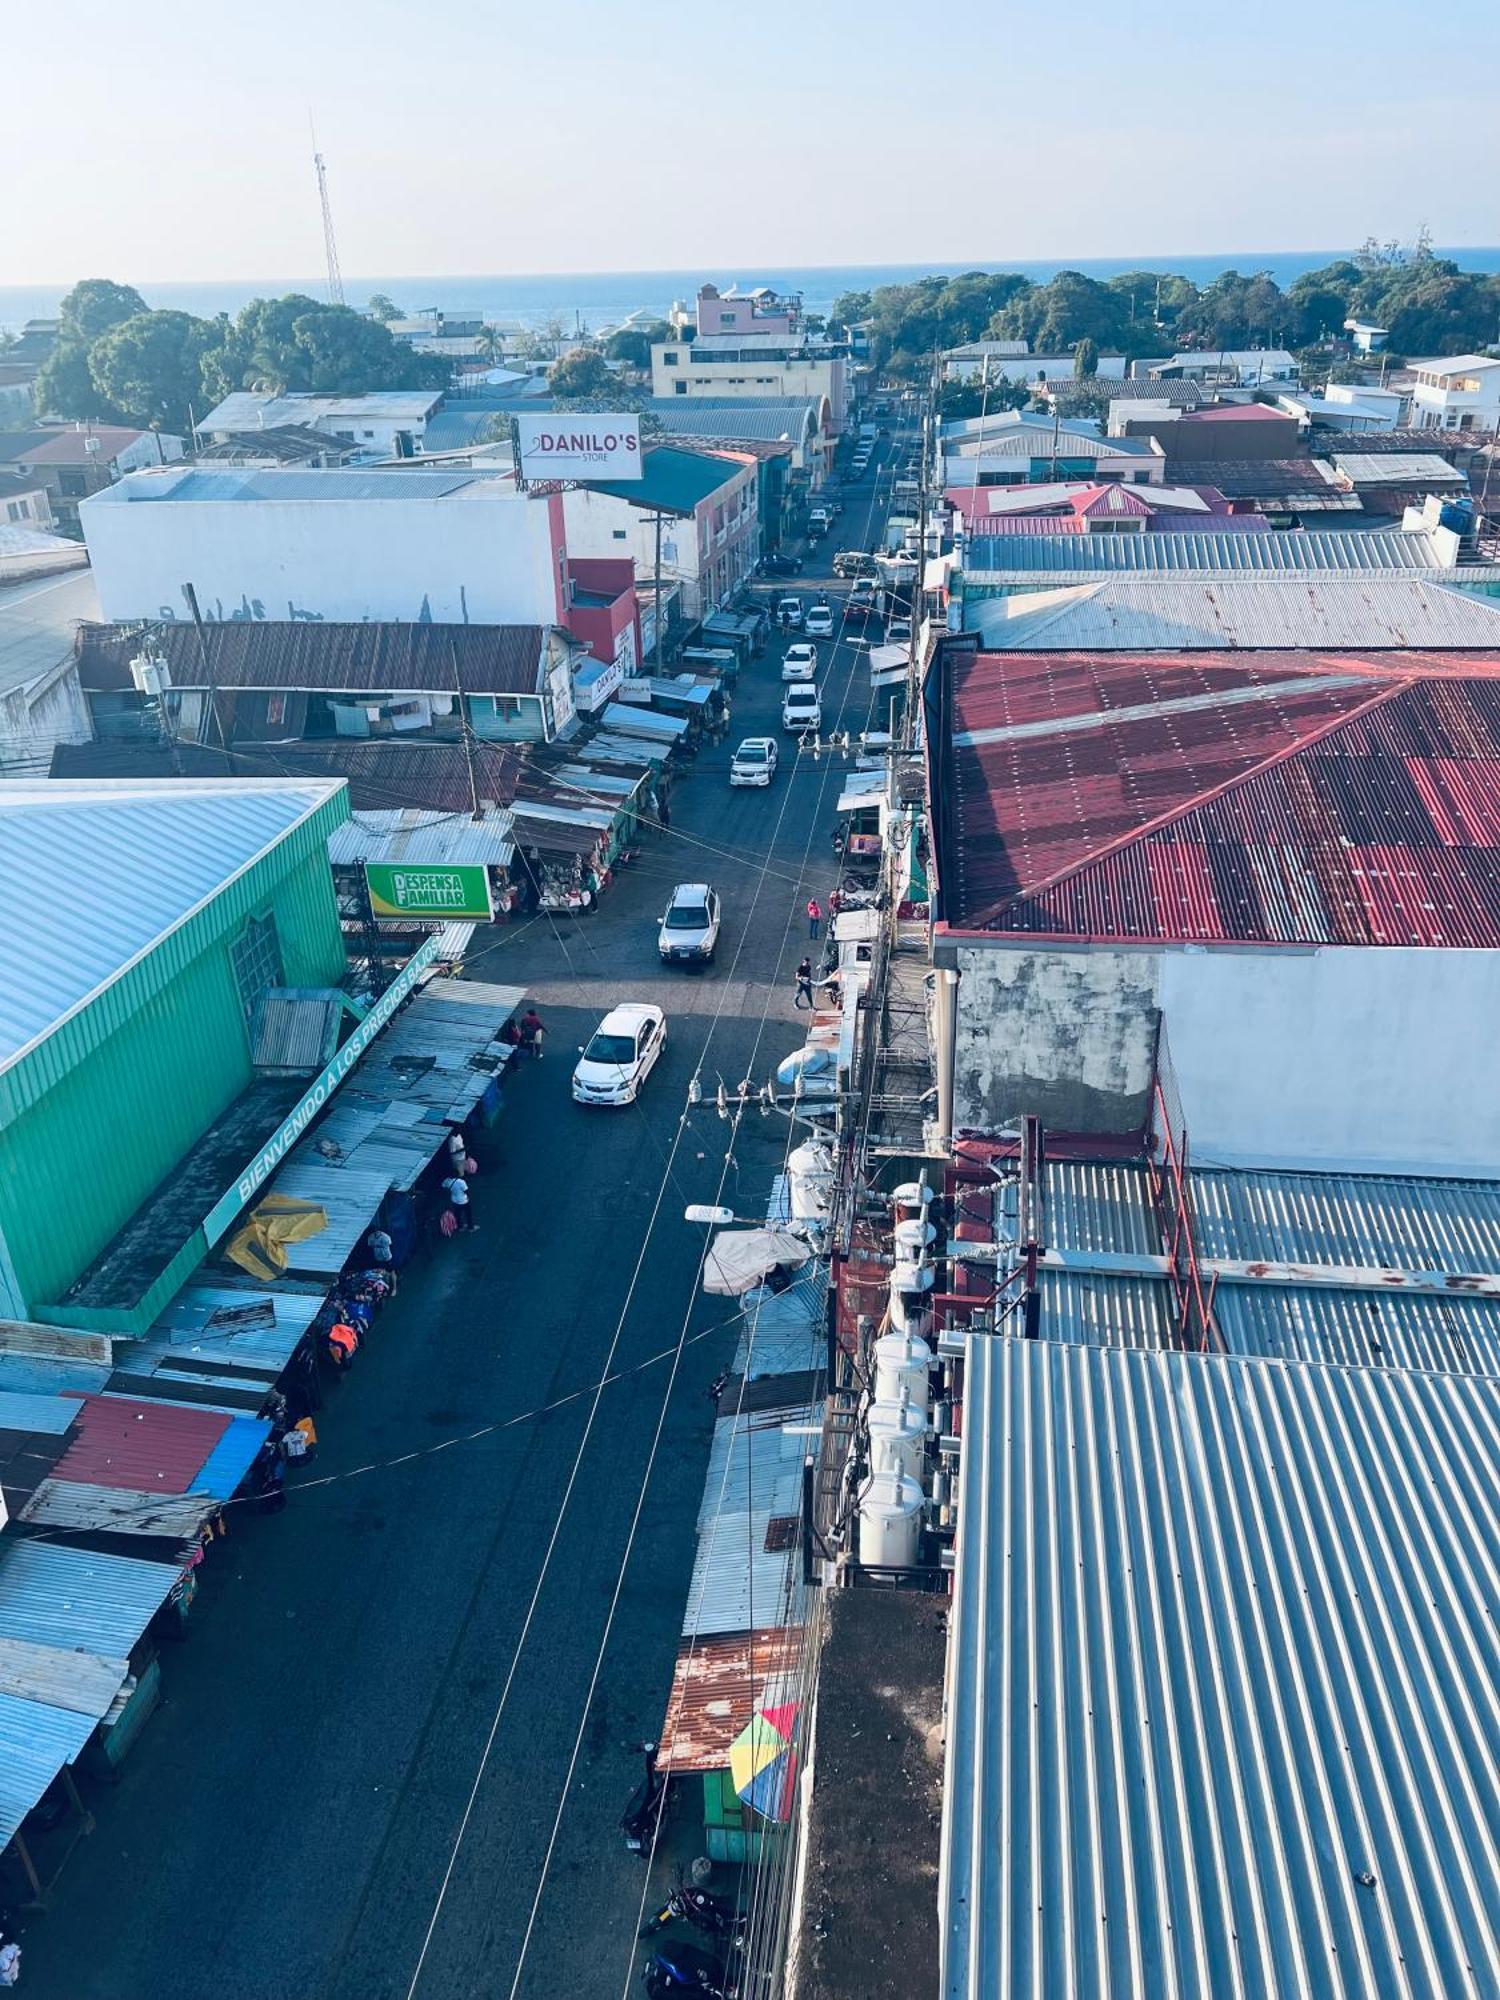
{"x": 330, "y": 248}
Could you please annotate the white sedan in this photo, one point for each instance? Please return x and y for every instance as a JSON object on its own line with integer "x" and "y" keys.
{"x": 819, "y": 622}
{"x": 800, "y": 662}
{"x": 623, "y": 1051}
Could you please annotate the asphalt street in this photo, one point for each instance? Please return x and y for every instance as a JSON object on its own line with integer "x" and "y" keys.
{"x": 359, "y": 1782}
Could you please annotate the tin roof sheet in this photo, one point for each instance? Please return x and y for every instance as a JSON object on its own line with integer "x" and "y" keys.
{"x": 93, "y": 874}
{"x": 219, "y": 1345}
{"x": 77, "y": 1600}
{"x": 754, "y": 1476}
{"x": 1179, "y": 613}
{"x": 416, "y": 836}
{"x": 717, "y": 1685}
{"x": 1217, "y": 1630}
{"x": 75, "y": 1506}
{"x": 35, "y": 1743}
{"x": 1285, "y": 798}
{"x": 373, "y": 657}
{"x": 139, "y": 1446}
{"x": 1298, "y": 550}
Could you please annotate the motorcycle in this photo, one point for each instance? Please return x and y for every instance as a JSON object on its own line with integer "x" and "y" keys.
{"x": 702, "y": 1908}
{"x": 674, "y": 1969}
{"x": 639, "y": 1819}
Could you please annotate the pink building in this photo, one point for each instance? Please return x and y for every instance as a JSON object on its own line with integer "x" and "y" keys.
{"x": 760, "y": 311}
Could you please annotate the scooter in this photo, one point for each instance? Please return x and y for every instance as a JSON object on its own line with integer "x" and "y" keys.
{"x": 638, "y": 1821}
{"x": 674, "y": 1969}
{"x": 700, "y": 1907}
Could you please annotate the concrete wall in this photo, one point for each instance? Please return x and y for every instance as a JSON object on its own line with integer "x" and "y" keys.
{"x": 469, "y": 558}
{"x": 1070, "y": 1036}
{"x": 38, "y": 715}
{"x": 601, "y": 524}
{"x": 1342, "y": 1057}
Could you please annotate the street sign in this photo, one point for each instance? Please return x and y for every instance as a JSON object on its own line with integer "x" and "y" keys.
{"x": 460, "y": 890}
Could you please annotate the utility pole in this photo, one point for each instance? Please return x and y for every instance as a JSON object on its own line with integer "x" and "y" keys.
{"x": 210, "y": 713}
{"x": 463, "y": 730}
{"x": 656, "y": 589}
{"x": 330, "y": 248}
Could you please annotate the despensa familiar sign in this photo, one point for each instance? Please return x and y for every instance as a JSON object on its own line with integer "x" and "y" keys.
{"x": 586, "y": 445}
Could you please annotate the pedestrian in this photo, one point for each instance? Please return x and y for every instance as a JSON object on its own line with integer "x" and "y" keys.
{"x": 458, "y": 1150}
{"x": 462, "y": 1208}
{"x": 814, "y": 917}
{"x": 804, "y": 982}
{"x": 343, "y": 1344}
{"x": 663, "y": 814}
{"x": 532, "y": 1032}
{"x": 381, "y": 1248}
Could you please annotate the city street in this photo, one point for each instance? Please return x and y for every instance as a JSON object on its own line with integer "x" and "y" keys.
{"x": 358, "y": 1785}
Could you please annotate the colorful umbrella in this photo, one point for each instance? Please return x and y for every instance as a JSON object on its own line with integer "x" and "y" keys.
{"x": 762, "y": 1762}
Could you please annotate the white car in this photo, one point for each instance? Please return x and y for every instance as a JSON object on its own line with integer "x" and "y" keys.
{"x": 754, "y": 763}
{"x": 819, "y": 623}
{"x": 689, "y": 933}
{"x": 898, "y": 632}
{"x": 800, "y": 662}
{"x": 800, "y": 707}
{"x": 622, "y": 1053}
{"x": 789, "y": 612}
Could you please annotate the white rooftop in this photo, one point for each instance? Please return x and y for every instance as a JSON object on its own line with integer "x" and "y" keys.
{"x": 1456, "y": 364}
{"x": 254, "y": 409}
{"x": 95, "y": 872}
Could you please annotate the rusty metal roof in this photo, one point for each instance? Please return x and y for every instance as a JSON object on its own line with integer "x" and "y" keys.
{"x": 143, "y": 1447}
{"x": 1288, "y": 798}
{"x": 716, "y": 1685}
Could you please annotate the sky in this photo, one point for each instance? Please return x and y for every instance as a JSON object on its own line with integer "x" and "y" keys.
{"x": 161, "y": 139}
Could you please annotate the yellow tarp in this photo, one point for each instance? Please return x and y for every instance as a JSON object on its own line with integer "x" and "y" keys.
{"x": 259, "y": 1247}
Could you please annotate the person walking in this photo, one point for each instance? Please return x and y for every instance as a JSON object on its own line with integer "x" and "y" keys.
{"x": 805, "y": 983}
{"x": 532, "y": 1032}
{"x": 664, "y": 814}
{"x": 814, "y": 917}
{"x": 457, "y": 1190}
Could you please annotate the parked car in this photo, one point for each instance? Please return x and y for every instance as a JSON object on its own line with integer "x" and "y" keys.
{"x": 689, "y": 933}
{"x": 622, "y": 1052}
{"x": 819, "y": 621}
{"x": 820, "y": 519}
{"x": 801, "y": 708}
{"x": 754, "y": 763}
{"x": 898, "y": 632}
{"x": 855, "y": 563}
{"x": 789, "y": 612}
{"x": 781, "y": 565}
{"x": 800, "y": 662}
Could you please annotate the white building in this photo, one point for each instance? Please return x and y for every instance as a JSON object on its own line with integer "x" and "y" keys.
{"x": 752, "y": 346}
{"x": 1263, "y": 879}
{"x": 389, "y": 424}
{"x": 1461, "y": 393}
{"x": 704, "y": 505}
{"x": 1009, "y": 360}
{"x": 1248, "y": 366}
{"x": 1347, "y": 406}
{"x": 406, "y": 543}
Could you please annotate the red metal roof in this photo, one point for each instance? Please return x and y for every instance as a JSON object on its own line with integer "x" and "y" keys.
{"x": 716, "y": 1686}
{"x": 142, "y": 1447}
{"x": 1299, "y": 798}
{"x": 71, "y": 446}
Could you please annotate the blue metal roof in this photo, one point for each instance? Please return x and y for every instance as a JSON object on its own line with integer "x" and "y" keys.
{"x": 35, "y": 1743}
{"x": 232, "y": 1457}
{"x": 1190, "y": 549}
{"x": 52, "y": 1594}
{"x": 93, "y": 873}
{"x": 1223, "y": 1656}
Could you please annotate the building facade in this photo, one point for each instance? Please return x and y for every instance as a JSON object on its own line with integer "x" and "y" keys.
{"x": 1461, "y": 394}
{"x": 753, "y": 347}
{"x": 703, "y": 509}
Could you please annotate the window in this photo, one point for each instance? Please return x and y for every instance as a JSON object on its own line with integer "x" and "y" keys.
{"x": 276, "y": 709}
{"x": 669, "y": 361}
{"x": 15, "y": 510}
{"x": 72, "y": 485}
{"x": 681, "y": 388}
{"x": 726, "y": 319}
{"x": 368, "y": 434}
{"x": 619, "y": 533}
{"x": 256, "y": 958}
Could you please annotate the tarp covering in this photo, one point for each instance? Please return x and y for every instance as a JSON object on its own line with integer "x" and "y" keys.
{"x": 260, "y": 1246}
{"x": 740, "y": 1258}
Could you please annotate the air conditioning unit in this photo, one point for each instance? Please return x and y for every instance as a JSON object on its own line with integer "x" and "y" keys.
{"x": 150, "y": 674}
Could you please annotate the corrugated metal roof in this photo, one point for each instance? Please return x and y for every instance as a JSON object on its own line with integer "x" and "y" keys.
{"x": 254, "y": 409}
{"x": 413, "y": 835}
{"x": 754, "y": 1474}
{"x": 139, "y": 1446}
{"x": 766, "y": 423}
{"x": 94, "y": 874}
{"x": 349, "y": 1200}
{"x": 83, "y": 1683}
{"x": 298, "y": 485}
{"x": 223, "y": 1345}
{"x": 75, "y": 1599}
{"x": 672, "y": 482}
{"x": 717, "y": 1685}
{"x": 1398, "y": 468}
{"x": 1001, "y": 558}
{"x": 1191, "y": 797}
{"x": 50, "y": 1415}
{"x": 1178, "y": 613}
{"x": 1219, "y": 1704}
{"x": 35, "y": 1743}
{"x": 81, "y": 1508}
{"x": 377, "y": 656}
{"x": 295, "y": 1032}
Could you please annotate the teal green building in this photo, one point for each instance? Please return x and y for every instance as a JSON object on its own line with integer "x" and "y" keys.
{"x": 142, "y": 924}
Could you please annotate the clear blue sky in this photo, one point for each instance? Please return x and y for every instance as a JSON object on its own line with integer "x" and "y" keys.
{"x": 156, "y": 139}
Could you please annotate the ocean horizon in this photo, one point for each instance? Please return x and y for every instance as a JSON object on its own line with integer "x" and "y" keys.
{"x": 594, "y": 299}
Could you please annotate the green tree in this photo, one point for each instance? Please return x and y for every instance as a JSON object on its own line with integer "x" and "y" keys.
{"x": 383, "y": 307}
{"x": 1085, "y": 359}
{"x": 957, "y": 400}
{"x": 1071, "y": 307}
{"x": 297, "y": 344}
{"x": 149, "y": 367}
{"x": 94, "y": 306}
{"x": 849, "y": 309}
{"x": 581, "y": 373}
{"x": 65, "y": 388}
{"x": 632, "y": 344}
{"x": 1317, "y": 314}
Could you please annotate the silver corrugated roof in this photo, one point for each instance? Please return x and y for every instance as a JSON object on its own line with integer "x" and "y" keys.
{"x": 1298, "y": 551}
{"x": 417, "y": 836}
{"x": 1151, "y": 613}
{"x": 1405, "y": 1224}
{"x": 1221, "y": 1694}
{"x": 73, "y": 1599}
{"x": 754, "y": 1475}
{"x": 35, "y": 1743}
{"x": 297, "y": 484}
{"x": 94, "y": 872}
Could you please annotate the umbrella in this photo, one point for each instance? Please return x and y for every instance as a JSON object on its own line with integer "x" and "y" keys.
{"x": 741, "y": 1258}
{"x": 762, "y": 1762}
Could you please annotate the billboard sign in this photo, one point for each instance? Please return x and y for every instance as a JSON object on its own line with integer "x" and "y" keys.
{"x": 583, "y": 445}
{"x": 460, "y": 890}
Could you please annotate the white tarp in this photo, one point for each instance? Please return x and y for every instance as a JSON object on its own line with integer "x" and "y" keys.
{"x": 741, "y": 1258}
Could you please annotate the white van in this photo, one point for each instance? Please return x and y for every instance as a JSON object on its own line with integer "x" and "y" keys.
{"x": 801, "y": 708}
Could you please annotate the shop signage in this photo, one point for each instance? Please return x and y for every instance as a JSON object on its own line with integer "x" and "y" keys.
{"x": 459, "y": 890}
{"x": 291, "y": 1129}
{"x": 584, "y": 445}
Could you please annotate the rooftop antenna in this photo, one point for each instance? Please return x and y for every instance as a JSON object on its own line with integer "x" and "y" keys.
{"x": 330, "y": 248}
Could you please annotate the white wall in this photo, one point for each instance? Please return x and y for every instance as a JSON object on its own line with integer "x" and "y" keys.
{"x": 596, "y": 521}
{"x": 1377, "y": 1058}
{"x": 487, "y": 559}
{"x": 1366, "y": 1058}
{"x": 37, "y": 716}
{"x": 150, "y": 448}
